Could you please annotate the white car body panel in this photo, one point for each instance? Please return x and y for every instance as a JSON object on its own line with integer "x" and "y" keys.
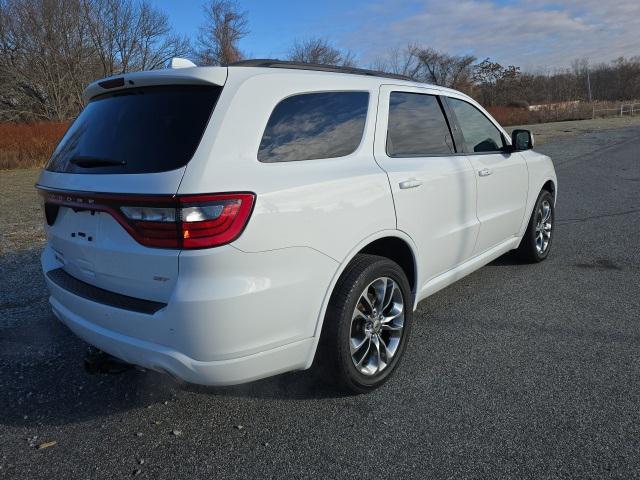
{"x": 439, "y": 214}
{"x": 462, "y": 270}
{"x": 296, "y": 201}
{"x": 502, "y": 196}
{"x": 541, "y": 171}
{"x": 255, "y": 307}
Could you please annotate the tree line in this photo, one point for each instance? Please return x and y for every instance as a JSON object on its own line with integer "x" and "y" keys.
{"x": 51, "y": 49}
{"x": 493, "y": 84}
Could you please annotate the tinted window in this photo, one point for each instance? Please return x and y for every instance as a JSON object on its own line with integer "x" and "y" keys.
{"x": 480, "y": 134}
{"x": 314, "y": 125}
{"x": 417, "y": 126}
{"x": 140, "y": 130}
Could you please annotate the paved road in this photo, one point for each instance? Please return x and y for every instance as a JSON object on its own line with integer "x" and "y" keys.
{"x": 514, "y": 372}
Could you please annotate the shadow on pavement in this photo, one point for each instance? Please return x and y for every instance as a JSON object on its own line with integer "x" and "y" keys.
{"x": 43, "y": 379}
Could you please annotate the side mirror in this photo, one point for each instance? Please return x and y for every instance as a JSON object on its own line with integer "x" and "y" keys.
{"x": 521, "y": 140}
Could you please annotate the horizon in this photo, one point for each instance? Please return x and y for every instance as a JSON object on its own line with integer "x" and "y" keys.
{"x": 524, "y": 33}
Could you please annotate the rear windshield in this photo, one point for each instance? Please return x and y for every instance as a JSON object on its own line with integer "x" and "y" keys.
{"x": 140, "y": 130}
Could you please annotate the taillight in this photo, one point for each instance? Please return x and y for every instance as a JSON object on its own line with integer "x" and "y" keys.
{"x": 153, "y": 226}
{"x": 190, "y": 221}
{"x": 211, "y": 220}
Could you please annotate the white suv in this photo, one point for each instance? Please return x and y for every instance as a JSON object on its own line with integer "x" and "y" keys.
{"x": 225, "y": 224}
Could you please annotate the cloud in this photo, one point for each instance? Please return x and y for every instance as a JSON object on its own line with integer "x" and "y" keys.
{"x": 535, "y": 34}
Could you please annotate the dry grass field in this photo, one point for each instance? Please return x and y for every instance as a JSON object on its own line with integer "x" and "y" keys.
{"x": 25, "y": 145}
{"x": 21, "y": 216}
{"x": 568, "y": 111}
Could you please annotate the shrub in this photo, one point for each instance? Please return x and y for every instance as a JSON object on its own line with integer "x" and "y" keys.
{"x": 519, "y": 104}
{"x": 26, "y": 145}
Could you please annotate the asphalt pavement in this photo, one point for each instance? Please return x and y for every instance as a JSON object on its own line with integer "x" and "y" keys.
{"x": 516, "y": 371}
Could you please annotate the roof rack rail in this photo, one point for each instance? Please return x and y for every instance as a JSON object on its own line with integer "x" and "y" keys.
{"x": 270, "y": 63}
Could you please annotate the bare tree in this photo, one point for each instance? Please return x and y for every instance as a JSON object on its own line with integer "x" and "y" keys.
{"x": 486, "y": 75}
{"x": 440, "y": 68}
{"x": 225, "y": 25}
{"x": 130, "y": 35}
{"x": 401, "y": 62}
{"x": 51, "y": 49}
{"x": 320, "y": 51}
{"x": 44, "y": 47}
{"x": 429, "y": 65}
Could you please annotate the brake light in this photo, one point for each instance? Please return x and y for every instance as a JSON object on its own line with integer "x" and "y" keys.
{"x": 188, "y": 222}
{"x": 113, "y": 83}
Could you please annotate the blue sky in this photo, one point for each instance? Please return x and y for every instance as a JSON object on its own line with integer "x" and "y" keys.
{"x": 536, "y": 34}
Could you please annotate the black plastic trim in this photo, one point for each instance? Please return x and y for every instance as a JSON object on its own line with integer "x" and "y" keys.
{"x": 99, "y": 295}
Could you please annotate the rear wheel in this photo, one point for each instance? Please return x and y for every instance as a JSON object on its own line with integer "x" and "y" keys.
{"x": 367, "y": 324}
{"x": 537, "y": 240}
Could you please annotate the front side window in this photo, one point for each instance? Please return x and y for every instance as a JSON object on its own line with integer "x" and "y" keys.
{"x": 417, "y": 126}
{"x": 480, "y": 134}
{"x": 313, "y": 126}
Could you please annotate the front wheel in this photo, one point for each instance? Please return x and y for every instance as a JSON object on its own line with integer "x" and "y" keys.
{"x": 367, "y": 324}
{"x": 537, "y": 240}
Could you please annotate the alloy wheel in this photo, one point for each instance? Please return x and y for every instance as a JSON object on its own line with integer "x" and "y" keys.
{"x": 376, "y": 326}
{"x": 544, "y": 225}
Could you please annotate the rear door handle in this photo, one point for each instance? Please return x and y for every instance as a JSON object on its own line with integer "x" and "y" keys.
{"x": 411, "y": 183}
{"x": 485, "y": 172}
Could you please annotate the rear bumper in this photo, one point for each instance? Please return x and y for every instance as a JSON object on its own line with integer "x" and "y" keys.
{"x": 163, "y": 359}
{"x": 232, "y": 316}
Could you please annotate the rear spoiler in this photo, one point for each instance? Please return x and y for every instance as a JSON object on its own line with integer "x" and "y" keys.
{"x": 168, "y": 76}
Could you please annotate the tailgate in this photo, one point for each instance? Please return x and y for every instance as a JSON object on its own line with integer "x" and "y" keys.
{"x": 133, "y": 144}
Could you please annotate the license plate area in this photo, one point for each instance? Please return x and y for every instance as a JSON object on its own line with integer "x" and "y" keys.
{"x": 84, "y": 226}
{"x": 74, "y": 237}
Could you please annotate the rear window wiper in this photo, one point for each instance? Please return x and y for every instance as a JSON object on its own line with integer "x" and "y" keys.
{"x": 88, "y": 161}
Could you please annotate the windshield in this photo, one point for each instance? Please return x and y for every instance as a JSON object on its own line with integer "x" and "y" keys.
{"x": 139, "y": 130}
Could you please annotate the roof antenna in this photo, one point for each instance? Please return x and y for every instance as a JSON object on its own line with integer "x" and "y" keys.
{"x": 178, "y": 62}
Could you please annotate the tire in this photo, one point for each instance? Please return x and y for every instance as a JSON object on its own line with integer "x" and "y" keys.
{"x": 536, "y": 242}
{"x": 356, "y": 313}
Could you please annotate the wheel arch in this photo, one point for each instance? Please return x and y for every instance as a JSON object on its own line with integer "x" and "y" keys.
{"x": 398, "y": 250}
{"x": 549, "y": 184}
{"x": 381, "y": 243}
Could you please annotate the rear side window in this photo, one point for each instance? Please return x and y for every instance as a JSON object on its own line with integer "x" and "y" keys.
{"x": 314, "y": 126}
{"x": 480, "y": 134}
{"x": 139, "y": 130}
{"x": 417, "y": 126}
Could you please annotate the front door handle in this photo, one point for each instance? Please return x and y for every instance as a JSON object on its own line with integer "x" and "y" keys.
{"x": 411, "y": 183}
{"x": 485, "y": 172}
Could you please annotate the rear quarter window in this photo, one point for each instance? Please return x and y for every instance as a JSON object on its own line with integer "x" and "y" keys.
{"x": 313, "y": 126}
{"x": 137, "y": 130}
